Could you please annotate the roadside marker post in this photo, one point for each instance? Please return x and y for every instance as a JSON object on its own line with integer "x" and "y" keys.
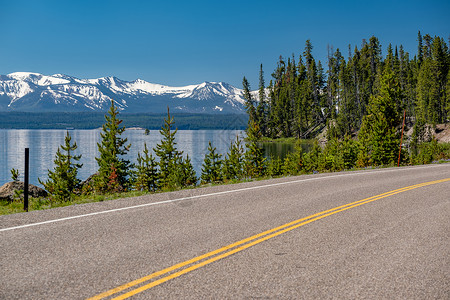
{"x": 25, "y": 188}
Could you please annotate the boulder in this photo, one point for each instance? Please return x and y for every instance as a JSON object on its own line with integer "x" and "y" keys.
{"x": 7, "y": 191}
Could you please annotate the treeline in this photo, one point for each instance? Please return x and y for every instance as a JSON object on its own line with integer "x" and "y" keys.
{"x": 303, "y": 97}
{"x": 92, "y": 120}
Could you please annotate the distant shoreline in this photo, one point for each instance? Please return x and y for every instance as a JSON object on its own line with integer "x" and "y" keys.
{"x": 88, "y": 120}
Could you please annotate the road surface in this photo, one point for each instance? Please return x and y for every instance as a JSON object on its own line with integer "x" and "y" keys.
{"x": 365, "y": 234}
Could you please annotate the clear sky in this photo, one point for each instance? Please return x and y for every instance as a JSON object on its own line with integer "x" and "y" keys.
{"x": 187, "y": 42}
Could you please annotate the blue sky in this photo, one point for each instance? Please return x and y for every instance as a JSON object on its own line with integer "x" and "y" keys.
{"x": 187, "y": 42}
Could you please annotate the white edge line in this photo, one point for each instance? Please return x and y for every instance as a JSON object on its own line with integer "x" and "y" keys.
{"x": 194, "y": 197}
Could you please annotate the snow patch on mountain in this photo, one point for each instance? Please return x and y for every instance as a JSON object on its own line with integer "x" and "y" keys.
{"x": 37, "y": 79}
{"x": 15, "y": 90}
{"x": 23, "y": 90}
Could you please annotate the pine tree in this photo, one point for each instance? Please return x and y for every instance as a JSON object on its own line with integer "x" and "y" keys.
{"x": 311, "y": 159}
{"x": 334, "y": 81}
{"x": 379, "y": 138}
{"x": 170, "y": 159}
{"x": 62, "y": 181}
{"x": 313, "y": 90}
{"x": 274, "y": 166}
{"x": 255, "y": 162}
{"x": 249, "y": 102}
{"x": 349, "y": 152}
{"x": 113, "y": 169}
{"x": 293, "y": 162}
{"x": 189, "y": 175}
{"x": 146, "y": 174}
{"x": 233, "y": 164}
{"x": 419, "y": 48}
{"x": 212, "y": 166}
{"x": 261, "y": 108}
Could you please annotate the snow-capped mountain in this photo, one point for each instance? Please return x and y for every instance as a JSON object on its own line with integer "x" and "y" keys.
{"x": 33, "y": 92}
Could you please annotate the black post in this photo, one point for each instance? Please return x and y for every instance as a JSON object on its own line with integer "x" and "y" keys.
{"x": 25, "y": 189}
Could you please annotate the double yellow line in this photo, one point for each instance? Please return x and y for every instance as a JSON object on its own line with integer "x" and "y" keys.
{"x": 205, "y": 259}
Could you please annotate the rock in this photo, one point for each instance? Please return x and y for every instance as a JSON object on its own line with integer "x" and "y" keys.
{"x": 7, "y": 191}
{"x": 87, "y": 186}
{"x": 443, "y": 133}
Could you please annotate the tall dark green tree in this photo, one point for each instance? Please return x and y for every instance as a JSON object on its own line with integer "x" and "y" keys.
{"x": 249, "y": 101}
{"x": 313, "y": 83}
{"x": 170, "y": 159}
{"x": 261, "y": 114}
{"x": 419, "y": 48}
{"x": 146, "y": 174}
{"x": 212, "y": 166}
{"x": 335, "y": 62}
{"x": 113, "y": 169}
{"x": 188, "y": 172}
{"x": 379, "y": 137}
{"x": 255, "y": 162}
{"x": 233, "y": 164}
{"x": 62, "y": 181}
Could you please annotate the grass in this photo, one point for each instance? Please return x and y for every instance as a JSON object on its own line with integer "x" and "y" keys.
{"x": 41, "y": 203}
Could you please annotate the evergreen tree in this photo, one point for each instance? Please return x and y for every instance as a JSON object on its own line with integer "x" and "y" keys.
{"x": 113, "y": 169}
{"x": 249, "y": 102}
{"x": 261, "y": 108}
{"x": 275, "y": 166}
{"x": 293, "y": 162}
{"x": 146, "y": 174}
{"x": 62, "y": 181}
{"x": 335, "y": 68}
{"x": 379, "y": 138}
{"x": 349, "y": 152}
{"x": 170, "y": 159}
{"x": 311, "y": 159}
{"x": 233, "y": 164}
{"x": 255, "y": 162}
{"x": 189, "y": 176}
{"x": 419, "y": 48}
{"x": 313, "y": 90}
{"x": 212, "y": 166}
{"x": 302, "y": 106}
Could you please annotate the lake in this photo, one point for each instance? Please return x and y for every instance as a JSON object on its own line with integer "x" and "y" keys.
{"x": 43, "y": 145}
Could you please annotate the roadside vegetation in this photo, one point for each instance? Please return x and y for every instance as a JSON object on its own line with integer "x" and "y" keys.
{"x": 354, "y": 120}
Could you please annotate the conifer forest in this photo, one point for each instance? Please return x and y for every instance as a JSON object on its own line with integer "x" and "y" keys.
{"x": 303, "y": 96}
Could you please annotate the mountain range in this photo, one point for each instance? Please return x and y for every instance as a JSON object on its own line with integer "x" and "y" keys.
{"x": 34, "y": 92}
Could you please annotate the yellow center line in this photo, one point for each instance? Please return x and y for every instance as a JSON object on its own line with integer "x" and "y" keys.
{"x": 256, "y": 239}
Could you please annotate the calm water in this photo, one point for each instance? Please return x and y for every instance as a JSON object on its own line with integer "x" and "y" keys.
{"x": 44, "y": 143}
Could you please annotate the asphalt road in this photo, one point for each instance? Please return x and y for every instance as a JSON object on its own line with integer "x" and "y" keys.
{"x": 394, "y": 246}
